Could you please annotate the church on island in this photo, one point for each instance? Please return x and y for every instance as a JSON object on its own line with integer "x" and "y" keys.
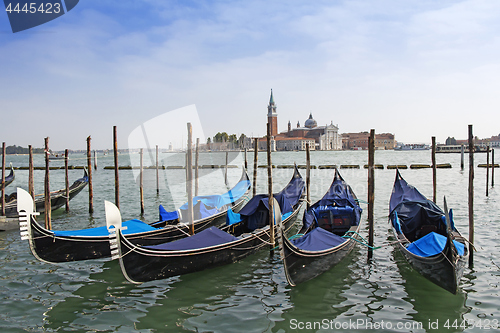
{"x": 318, "y": 137}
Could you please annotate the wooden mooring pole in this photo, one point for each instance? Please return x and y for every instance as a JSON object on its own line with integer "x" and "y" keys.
{"x": 3, "y": 178}
{"x": 371, "y": 190}
{"x": 487, "y": 168}
{"x": 308, "y": 176}
{"x": 471, "y": 197}
{"x": 89, "y": 170}
{"x": 246, "y": 164}
{"x": 141, "y": 181}
{"x": 255, "y": 158}
{"x": 157, "y": 174}
{"x": 48, "y": 208}
{"x": 66, "y": 178}
{"x": 492, "y": 167}
{"x": 95, "y": 160}
{"x": 196, "y": 159}
{"x": 433, "y": 157}
{"x": 462, "y": 153}
{"x": 225, "y": 170}
{"x": 270, "y": 187}
{"x": 115, "y": 155}
{"x": 189, "y": 178}
{"x": 31, "y": 181}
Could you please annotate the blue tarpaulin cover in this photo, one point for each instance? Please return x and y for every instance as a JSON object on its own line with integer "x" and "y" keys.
{"x": 208, "y": 205}
{"x": 208, "y": 237}
{"x": 413, "y": 208}
{"x": 217, "y": 201}
{"x": 339, "y": 198}
{"x": 432, "y": 244}
{"x": 168, "y": 216}
{"x": 133, "y": 226}
{"x": 318, "y": 240}
{"x": 256, "y": 210}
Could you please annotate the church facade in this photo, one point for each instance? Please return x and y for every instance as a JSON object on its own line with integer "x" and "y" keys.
{"x": 318, "y": 137}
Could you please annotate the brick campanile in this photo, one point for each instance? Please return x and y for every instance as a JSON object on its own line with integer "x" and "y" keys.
{"x": 272, "y": 116}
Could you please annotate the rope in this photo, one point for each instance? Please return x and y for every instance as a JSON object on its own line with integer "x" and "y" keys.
{"x": 361, "y": 201}
{"x": 363, "y": 242}
{"x": 289, "y": 238}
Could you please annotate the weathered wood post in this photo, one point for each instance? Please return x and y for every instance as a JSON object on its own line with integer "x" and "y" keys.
{"x": 95, "y": 160}
{"x": 308, "y": 176}
{"x": 48, "y": 208}
{"x": 487, "y": 168}
{"x": 66, "y": 178}
{"x": 371, "y": 190}
{"x": 141, "y": 181}
{"x": 157, "y": 174}
{"x": 3, "y": 178}
{"x": 31, "y": 181}
{"x": 492, "y": 167}
{"x": 189, "y": 180}
{"x": 89, "y": 170}
{"x": 115, "y": 155}
{"x": 246, "y": 164}
{"x": 433, "y": 157}
{"x": 471, "y": 197}
{"x": 462, "y": 153}
{"x": 196, "y": 159}
{"x": 270, "y": 187}
{"x": 255, "y": 158}
{"x": 225, "y": 173}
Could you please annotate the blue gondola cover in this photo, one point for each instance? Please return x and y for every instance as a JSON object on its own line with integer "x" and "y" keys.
{"x": 432, "y": 244}
{"x": 132, "y": 226}
{"x": 318, "y": 240}
{"x": 256, "y": 211}
{"x": 206, "y": 238}
{"x": 168, "y": 216}
{"x": 339, "y": 200}
{"x": 208, "y": 205}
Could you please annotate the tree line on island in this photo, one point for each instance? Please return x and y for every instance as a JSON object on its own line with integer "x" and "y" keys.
{"x": 228, "y": 140}
{"x": 9, "y": 150}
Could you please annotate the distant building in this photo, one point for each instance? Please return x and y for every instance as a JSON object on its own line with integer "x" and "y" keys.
{"x": 450, "y": 141}
{"x": 358, "y": 141}
{"x": 318, "y": 137}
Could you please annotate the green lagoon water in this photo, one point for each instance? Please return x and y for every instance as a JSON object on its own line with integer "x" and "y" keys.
{"x": 384, "y": 295}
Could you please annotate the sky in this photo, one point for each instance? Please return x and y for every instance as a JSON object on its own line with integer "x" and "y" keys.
{"x": 415, "y": 68}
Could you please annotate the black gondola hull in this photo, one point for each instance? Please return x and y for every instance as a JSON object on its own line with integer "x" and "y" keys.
{"x": 301, "y": 266}
{"x": 56, "y": 249}
{"x": 57, "y": 198}
{"x": 444, "y": 269}
{"x": 142, "y": 265}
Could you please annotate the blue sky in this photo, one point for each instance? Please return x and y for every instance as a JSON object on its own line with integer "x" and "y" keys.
{"x": 413, "y": 68}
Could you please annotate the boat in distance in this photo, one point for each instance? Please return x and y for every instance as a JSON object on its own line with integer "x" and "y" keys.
{"x": 55, "y": 246}
{"x": 244, "y": 234}
{"x": 10, "y": 177}
{"x": 427, "y": 236}
{"x": 328, "y": 234}
{"x": 57, "y": 198}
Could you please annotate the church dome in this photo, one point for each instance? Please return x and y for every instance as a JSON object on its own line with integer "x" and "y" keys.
{"x": 310, "y": 123}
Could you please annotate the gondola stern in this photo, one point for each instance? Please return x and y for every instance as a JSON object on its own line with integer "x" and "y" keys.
{"x": 114, "y": 226}
{"x": 26, "y": 211}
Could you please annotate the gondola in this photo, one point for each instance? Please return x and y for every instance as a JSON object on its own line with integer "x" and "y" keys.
{"x": 244, "y": 234}
{"x": 93, "y": 243}
{"x": 426, "y": 236}
{"x": 329, "y": 231}
{"x": 57, "y": 198}
{"x": 10, "y": 177}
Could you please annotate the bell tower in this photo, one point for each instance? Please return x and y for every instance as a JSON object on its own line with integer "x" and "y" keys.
{"x": 272, "y": 116}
